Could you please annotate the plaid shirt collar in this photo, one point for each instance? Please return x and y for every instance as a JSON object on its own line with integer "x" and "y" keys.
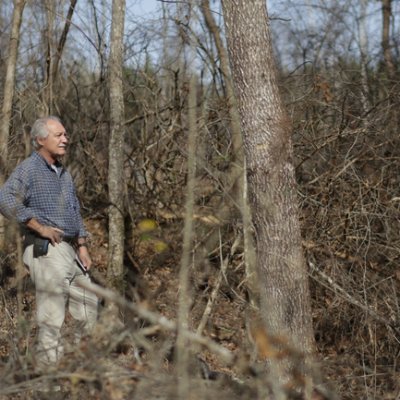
{"x": 38, "y": 157}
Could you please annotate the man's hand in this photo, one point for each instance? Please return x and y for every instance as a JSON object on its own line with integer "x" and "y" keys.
{"x": 55, "y": 235}
{"x": 84, "y": 256}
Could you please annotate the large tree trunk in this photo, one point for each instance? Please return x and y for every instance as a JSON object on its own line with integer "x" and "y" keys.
{"x": 116, "y": 149}
{"x": 285, "y": 299}
{"x": 8, "y": 98}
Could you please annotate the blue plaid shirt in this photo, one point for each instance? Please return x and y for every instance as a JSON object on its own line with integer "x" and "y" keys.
{"x": 38, "y": 190}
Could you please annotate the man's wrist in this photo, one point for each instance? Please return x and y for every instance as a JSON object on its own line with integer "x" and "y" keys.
{"x": 34, "y": 225}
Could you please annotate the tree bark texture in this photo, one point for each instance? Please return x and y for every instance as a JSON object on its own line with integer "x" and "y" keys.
{"x": 116, "y": 147}
{"x": 285, "y": 300}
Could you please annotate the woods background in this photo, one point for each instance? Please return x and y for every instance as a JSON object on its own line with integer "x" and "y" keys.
{"x": 176, "y": 207}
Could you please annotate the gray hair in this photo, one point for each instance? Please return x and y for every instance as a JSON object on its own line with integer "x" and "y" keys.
{"x": 40, "y": 130}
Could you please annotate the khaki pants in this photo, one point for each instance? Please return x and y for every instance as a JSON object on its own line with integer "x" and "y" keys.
{"x": 56, "y": 277}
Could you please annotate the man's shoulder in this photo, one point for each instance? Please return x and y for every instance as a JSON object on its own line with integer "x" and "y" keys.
{"x": 26, "y": 162}
{"x": 28, "y": 165}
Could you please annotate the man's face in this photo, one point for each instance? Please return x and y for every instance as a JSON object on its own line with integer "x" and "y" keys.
{"x": 55, "y": 144}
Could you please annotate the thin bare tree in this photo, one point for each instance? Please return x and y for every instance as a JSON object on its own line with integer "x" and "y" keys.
{"x": 48, "y": 88}
{"x": 9, "y": 84}
{"x": 188, "y": 233}
{"x": 116, "y": 148}
{"x": 54, "y": 54}
{"x": 363, "y": 44}
{"x": 62, "y": 41}
{"x": 387, "y": 53}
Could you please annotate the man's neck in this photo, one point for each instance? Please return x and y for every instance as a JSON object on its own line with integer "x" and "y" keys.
{"x": 47, "y": 156}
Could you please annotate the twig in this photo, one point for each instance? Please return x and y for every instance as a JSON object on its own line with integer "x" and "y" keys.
{"x": 160, "y": 320}
{"x": 214, "y": 293}
{"x": 331, "y": 284}
{"x": 37, "y": 383}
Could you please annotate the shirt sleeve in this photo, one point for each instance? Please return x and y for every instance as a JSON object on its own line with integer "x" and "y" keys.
{"x": 82, "y": 229}
{"x": 77, "y": 208}
{"x": 14, "y": 196}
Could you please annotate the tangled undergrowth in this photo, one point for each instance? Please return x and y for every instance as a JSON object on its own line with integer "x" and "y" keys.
{"x": 355, "y": 311}
{"x": 347, "y": 169}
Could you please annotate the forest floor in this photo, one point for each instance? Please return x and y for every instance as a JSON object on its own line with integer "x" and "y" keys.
{"x": 119, "y": 365}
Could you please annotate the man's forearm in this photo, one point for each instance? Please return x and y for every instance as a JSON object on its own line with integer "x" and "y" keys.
{"x": 55, "y": 235}
{"x": 34, "y": 225}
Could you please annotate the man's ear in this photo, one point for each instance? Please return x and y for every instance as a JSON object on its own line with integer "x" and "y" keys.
{"x": 40, "y": 140}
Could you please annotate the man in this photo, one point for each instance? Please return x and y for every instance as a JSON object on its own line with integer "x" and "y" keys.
{"x": 40, "y": 196}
